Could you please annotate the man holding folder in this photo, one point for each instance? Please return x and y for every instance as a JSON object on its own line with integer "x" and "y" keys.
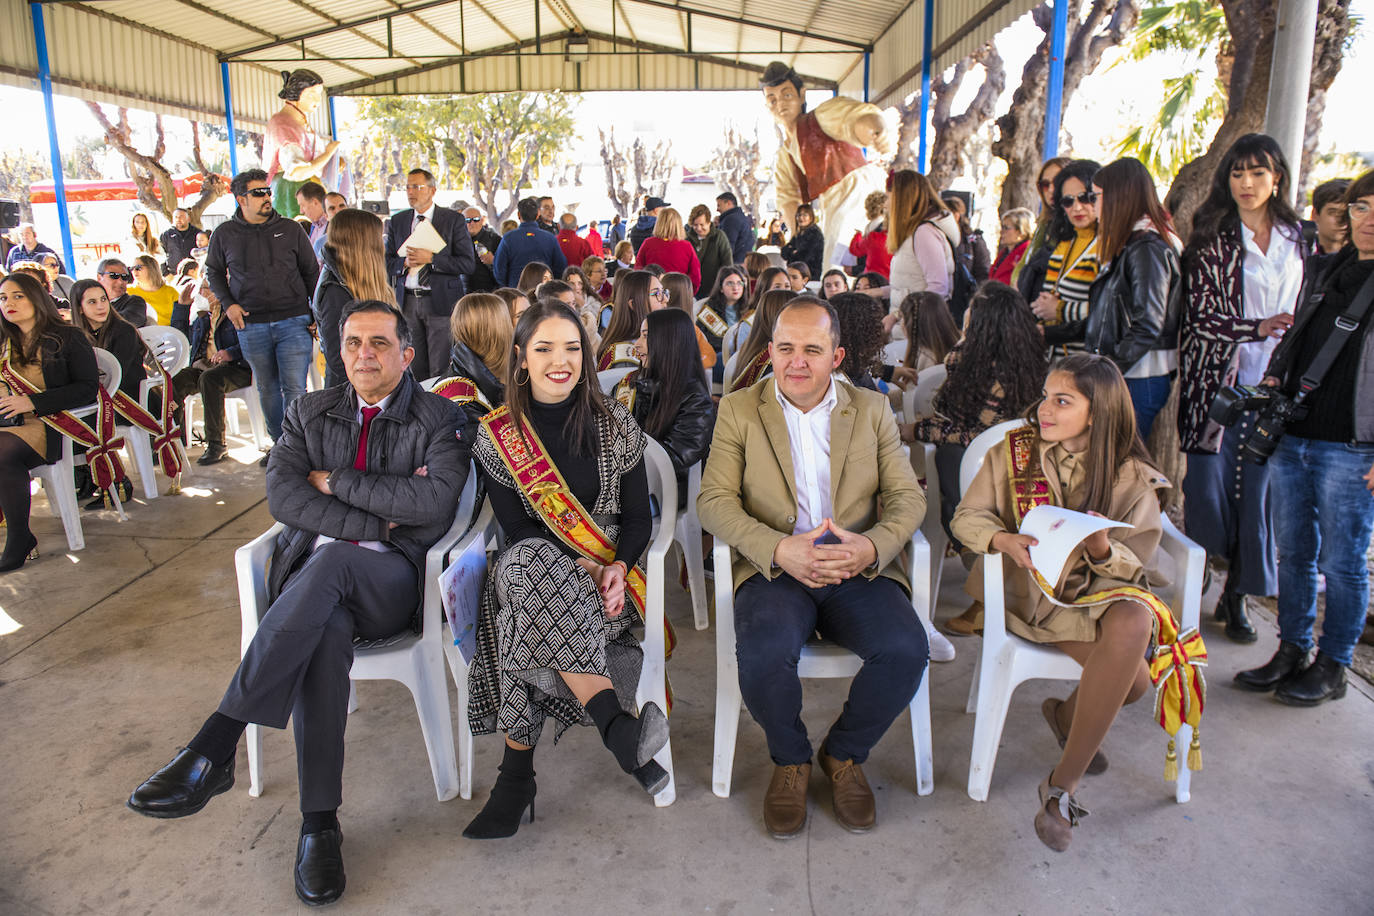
{"x": 428, "y": 257}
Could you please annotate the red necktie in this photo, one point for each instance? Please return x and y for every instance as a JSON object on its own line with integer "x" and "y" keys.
{"x": 360, "y": 462}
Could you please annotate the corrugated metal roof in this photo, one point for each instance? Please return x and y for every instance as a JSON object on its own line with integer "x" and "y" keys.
{"x": 165, "y": 55}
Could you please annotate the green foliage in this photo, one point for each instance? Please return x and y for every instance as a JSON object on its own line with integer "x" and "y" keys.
{"x": 1192, "y": 105}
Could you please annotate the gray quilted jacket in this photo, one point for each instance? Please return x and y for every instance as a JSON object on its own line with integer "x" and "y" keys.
{"x": 321, "y": 432}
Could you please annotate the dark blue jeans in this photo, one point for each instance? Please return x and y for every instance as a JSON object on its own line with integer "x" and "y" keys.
{"x": 1148, "y": 397}
{"x": 279, "y": 352}
{"x": 873, "y": 619}
{"x": 1324, "y": 515}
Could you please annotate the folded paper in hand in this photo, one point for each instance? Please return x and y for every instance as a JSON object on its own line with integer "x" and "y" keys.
{"x": 1059, "y": 531}
{"x": 460, "y": 589}
{"x": 426, "y": 237}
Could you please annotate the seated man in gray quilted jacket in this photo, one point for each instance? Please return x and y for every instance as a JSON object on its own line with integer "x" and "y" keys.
{"x": 366, "y": 477}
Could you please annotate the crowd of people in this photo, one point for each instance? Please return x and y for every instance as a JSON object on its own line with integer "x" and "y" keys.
{"x": 785, "y": 377}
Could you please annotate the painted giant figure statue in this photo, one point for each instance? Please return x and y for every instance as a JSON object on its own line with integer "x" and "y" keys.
{"x": 292, "y": 153}
{"x": 821, "y": 160}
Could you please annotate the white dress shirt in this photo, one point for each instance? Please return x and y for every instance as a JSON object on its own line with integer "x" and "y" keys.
{"x": 413, "y": 275}
{"x": 378, "y": 546}
{"x": 808, "y": 435}
{"x": 1271, "y": 285}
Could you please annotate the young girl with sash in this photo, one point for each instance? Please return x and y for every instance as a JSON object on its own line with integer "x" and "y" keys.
{"x": 770, "y": 279}
{"x": 636, "y": 291}
{"x": 1081, "y": 451}
{"x": 751, "y": 362}
{"x": 47, "y": 368}
{"x": 669, "y": 397}
{"x": 564, "y": 470}
{"x": 682, "y": 298}
{"x": 481, "y": 329}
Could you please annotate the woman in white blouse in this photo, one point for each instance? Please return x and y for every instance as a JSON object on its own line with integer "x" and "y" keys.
{"x": 1243, "y": 272}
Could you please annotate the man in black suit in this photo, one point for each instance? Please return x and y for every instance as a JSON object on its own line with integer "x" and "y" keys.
{"x": 428, "y": 283}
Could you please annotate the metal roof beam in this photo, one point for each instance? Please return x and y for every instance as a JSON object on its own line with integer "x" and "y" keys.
{"x": 753, "y": 23}
{"x": 342, "y": 26}
{"x": 990, "y": 9}
{"x": 518, "y": 46}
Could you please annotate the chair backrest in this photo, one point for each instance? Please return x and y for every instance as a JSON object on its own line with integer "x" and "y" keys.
{"x": 429, "y": 383}
{"x": 609, "y": 378}
{"x": 894, "y": 353}
{"x": 111, "y": 373}
{"x": 662, "y": 481}
{"x": 928, "y": 382}
{"x": 727, "y": 375}
{"x": 978, "y": 448}
{"x": 168, "y": 345}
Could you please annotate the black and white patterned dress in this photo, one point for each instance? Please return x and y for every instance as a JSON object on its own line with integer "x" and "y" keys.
{"x": 542, "y": 613}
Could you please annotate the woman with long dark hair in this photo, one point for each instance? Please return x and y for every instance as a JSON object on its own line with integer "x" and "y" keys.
{"x": 929, "y": 329}
{"x": 669, "y": 395}
{"x": 56, "y": 362}
{"x": 1137, "y": 301}
{"x": 682, "y": 297}
{"x": 145, "y": 241}
{"x": 1242, "y": 272}
{"x": 862, "y": 336}
{"x": 723, "y": 307}
{"x": 1031, "y": 267}
{"x": 635, "y": 295}
{"x": 354, "y": 267}
{"x": 533, "y": 274}
{"x": 751, "y": 362}
{"x": 1061, "y": 300}
{"x": 808, "y": 244}
{"x": 553, "y": 635}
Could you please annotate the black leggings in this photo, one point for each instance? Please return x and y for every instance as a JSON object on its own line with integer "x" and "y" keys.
{"x": 16, "y": 460}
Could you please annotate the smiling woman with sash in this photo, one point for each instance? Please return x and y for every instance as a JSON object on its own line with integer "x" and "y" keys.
{"x": 635, "y": 292}
{"x": 47, "y": 368}
{"x": 1081, "y": 451}
{"x": 564, "y": 470}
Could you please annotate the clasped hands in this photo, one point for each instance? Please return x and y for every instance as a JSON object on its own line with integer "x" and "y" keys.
{"x": 320, "y": 481}
{"x": 816, "y": 565}
{"x": 610, "y": 581}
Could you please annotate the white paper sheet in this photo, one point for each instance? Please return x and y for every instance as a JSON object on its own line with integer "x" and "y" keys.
{"x": 460, "y": 589}
{"x": 1059, "y": 532}
{"x": 425, "y": 236}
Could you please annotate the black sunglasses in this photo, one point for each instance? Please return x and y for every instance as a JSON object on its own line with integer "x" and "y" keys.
{"x": 118, "y": 276}
{"x": 1087, "y": 198}
{"x": 258, "y": 192}
{"x": 472, "y": 219}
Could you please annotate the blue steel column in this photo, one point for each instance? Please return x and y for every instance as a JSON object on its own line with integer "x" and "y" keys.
{"x": 333, "y": 120}
{"x": 59, "y": 186}
{"x": 229, "y": 117}
{"x": 927, "y": 36}
{"x": 867, "y": 55}
{"x": 1054, "y": 94}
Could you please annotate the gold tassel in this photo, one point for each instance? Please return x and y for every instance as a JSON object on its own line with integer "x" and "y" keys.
{"x": 175, "y": 488}
{"x": 109, "y": 503}
{"x": 1171, "y": 763}
{"x": 1195, "y": 752}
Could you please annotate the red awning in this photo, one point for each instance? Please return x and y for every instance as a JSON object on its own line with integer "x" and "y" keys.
{"x": 43, "y": 192}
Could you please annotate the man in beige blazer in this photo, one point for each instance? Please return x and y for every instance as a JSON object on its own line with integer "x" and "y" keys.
{"x": 818, "y": 523}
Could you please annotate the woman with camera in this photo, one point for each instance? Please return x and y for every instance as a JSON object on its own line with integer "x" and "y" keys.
{"x": 1242, "y": 272}
{"x": 1323, "y": 466}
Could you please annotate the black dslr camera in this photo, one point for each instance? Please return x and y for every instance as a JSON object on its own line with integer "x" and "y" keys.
{"x": 1274, "y": 409}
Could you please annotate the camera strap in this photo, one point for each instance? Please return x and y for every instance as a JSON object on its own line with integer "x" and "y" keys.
{"x": 1346, "y": 324}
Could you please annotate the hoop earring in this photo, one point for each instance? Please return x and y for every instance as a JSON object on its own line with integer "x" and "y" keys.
{"x": 518, "y": 379}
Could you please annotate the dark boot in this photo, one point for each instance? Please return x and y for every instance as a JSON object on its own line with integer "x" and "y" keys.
{"x": 1231, "y": 608}
{"x": 1288, "y": 661}
{"x": 633, "y": 741}
{"x": 85, "y": 486}
{"x": 1324, "y": 679}
{"x": 512, "y": 794}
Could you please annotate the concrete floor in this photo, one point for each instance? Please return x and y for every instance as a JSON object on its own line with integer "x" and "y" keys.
{"x": 122, "y": 649}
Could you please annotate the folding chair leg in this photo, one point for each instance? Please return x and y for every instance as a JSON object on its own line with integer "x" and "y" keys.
{"x": 972, "y": 705}
{"x": 459, "y": 672}
{"x": 431, "y": 702}
{"x": 994, "y": 693}
{"x": 921, "y": 737}
{"x": 62, "y": 497}
{"x": 668, "y": 794}
{"x": 696, "y": 573}
{"x": 352, "y": 697}
{"x": 727, "y": 728}
{"x": 253, "y": 738}
{"x": 1183, "y": 788}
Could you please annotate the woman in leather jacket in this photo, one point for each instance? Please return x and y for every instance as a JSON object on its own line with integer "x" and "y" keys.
{"x": 1136, "y": 301}
{"x": 669, "y": 395}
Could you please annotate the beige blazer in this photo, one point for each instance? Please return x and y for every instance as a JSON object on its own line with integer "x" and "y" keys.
{"x": 872, "y": 488}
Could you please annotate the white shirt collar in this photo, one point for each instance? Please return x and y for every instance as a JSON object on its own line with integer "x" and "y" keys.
{"x": 826, "y": 404}
{"x": 381, "y": 405}
{"x": 427, "y": 214}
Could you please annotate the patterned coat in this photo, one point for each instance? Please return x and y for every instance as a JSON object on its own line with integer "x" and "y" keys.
{"x": 1214, "y": 323}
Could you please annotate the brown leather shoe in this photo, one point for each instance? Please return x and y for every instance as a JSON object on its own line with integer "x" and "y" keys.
{"x": 784, "y": 804}
{"x": 969, "y": 623}
{"x": 854, "y": 807}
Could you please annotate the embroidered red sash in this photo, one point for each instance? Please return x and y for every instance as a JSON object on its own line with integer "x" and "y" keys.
{"x": 460, "y": 391}
{"x": 625, "y": 390}
{"x": 621, "y": 354}
{"x": 538, "y": 478}
{"x": 1175, "y": 659}
{"x": 710, "y": 319}
{"x": 166, "y": 435}
{"x": 102, "y": 445}
{"x": 751, "y": 373}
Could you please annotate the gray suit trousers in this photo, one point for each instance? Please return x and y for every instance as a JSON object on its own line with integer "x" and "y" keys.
{"x": 298, "y": 662}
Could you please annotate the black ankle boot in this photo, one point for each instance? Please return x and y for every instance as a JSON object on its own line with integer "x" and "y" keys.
{"x": 19, "y": 548}
{"x": 1289, "y": 660}
{"x": 1324, "y": 679}
{"x": 633, "y": 741}
{"x": 510, "y": 796}
{"x": 1231, "y": 608}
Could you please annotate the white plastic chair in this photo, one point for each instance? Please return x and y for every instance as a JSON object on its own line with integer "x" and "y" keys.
{"x": 688, "y": 537}
{"x": 931, "y": 527}
{"x": 653, "y": 677}
{"x": 1008, "y": 660}
{"x": 727, "y": 375}
{"x": 894, "y": 353}
{"x": 609, "y": 378}
{"x": 416, "y": 661}
{"x": 819, "y": 658}
{"x": 917, "y": 400}
{"x": 248, "y": 396}
{"x": 171, "y": 349}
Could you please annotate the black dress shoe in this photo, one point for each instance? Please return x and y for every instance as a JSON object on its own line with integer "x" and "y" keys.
{"x": 214, "y": 454}
{"x": 1231, "y": 608}
{"x": 319, "y": 867}
{"x": 183, "y": 786}
{"x": 1288, "y": 661}
{"x": 1324, "y": 679}
{"x": 262, "y": 462}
